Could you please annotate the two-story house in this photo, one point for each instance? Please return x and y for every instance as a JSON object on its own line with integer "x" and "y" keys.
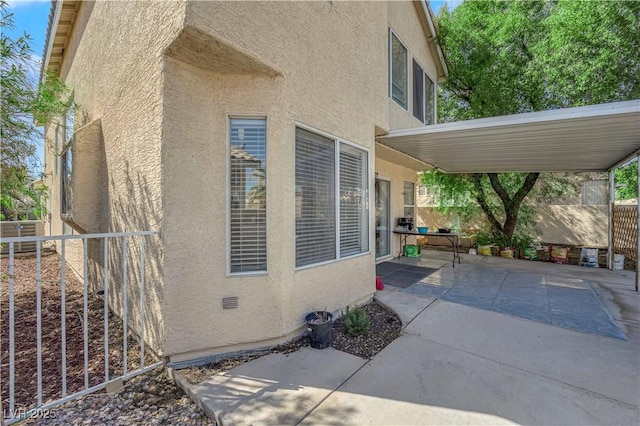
{"x": 245, "y": 132}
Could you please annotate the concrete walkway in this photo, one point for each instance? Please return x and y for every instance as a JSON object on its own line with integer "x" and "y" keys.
{"x": 454, "y": 364}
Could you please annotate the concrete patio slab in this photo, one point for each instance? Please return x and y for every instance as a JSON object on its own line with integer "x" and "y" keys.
{"x": 608, "y": 367}
{"x": 416, "y": 381}
{"x": 405, "y": 305}
{"x": 525, "y": 292}
{"x": 428, "y": 290}
{"x": 274, "y": 389}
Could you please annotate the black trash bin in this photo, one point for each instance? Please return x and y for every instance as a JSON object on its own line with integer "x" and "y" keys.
{"x": 319, "y": 325}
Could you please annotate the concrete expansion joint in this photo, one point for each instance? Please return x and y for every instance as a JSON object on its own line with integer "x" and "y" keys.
{"x": 332, "y": 392}
{"x": 579, "y": 388}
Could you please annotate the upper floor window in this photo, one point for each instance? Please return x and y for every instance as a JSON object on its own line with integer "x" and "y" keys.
{"x": 423, "y": 96}
{"x": 398, "y": 71}
{"x": 248, "y": 195}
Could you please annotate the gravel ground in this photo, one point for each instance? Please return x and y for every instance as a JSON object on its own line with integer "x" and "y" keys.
{"x": 25, "y": 332}
{"x": 385, "y": 328}
{"x": 149, "y": 399}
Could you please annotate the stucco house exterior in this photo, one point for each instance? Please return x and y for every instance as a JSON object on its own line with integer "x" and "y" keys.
{"x": 245, "y": 133}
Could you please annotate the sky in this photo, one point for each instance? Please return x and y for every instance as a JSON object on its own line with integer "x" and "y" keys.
{"x": 31, "y": 17}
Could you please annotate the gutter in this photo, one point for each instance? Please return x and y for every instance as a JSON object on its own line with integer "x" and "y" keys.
{"x": 427, "y": 11}
{"x": 54, "y": 18}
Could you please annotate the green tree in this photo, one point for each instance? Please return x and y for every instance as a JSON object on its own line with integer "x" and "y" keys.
{"x": 24, "y": 102}
{"x": 507, "y": 57}
{"x": 627, "y": 181}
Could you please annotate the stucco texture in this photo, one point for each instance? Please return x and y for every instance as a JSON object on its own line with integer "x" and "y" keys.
{"x": 166, "y": 80}
{"x": 113, "y": 63}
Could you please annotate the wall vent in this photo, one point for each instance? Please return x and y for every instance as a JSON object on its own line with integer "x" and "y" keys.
{"x": 229, "y": 303}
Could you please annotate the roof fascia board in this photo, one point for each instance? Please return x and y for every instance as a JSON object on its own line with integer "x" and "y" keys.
{"x": 51, "y": 35}
{"x": 625, "y": 160}
{"x": 616, "y": 108}
{"x": 427, "y": 12}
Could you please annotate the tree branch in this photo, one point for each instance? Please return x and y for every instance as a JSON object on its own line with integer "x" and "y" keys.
{"x": 527, "y": 186}
{"x": 476, "y": 178}
{"x": 497, "y": 186}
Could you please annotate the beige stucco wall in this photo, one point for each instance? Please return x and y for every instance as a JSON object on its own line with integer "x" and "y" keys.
{"x": 167, "y": 76}
{"x": 326, "y": 97}
{"x": 558, "y": 224}
{"x": 113, "y": 62}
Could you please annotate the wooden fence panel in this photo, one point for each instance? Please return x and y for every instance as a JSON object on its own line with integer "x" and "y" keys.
{"x": 625, "y": 231}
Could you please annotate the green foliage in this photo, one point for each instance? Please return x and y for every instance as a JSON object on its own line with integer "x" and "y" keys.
{"x": 484, "y": 238}
{"x": 356, "y": 322}
{"x": 24, "y": 99}
{"x": 508, "y": 57}
{"x": 521, "y": 241}
{"x": 627, "y": 181}
{"x": 461, "y": 195}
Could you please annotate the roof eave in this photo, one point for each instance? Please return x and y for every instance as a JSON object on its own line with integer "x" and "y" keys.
{"x": 432, "y": 27}
{"x": 54, "y": 18}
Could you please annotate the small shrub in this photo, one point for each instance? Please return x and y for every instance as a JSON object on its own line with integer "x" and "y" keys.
{"x": 484, "y": 238}
{"x": 356, "y": 322}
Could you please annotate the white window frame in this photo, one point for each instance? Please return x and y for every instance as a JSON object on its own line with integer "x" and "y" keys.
{"x": 337, "y": 142}
{"x": 425, "y": 76}
{"x": 228, "y": 194}
{"x": 392, "y": 34}
{"x": 412, "y": 206}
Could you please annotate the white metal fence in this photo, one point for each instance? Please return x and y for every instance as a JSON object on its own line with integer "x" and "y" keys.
{"x": 99, "y": 277}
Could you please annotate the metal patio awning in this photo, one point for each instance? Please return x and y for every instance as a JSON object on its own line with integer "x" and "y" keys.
{"x": 591, "y": 138}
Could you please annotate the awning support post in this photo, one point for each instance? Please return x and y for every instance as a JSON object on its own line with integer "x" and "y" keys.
{"x": 612, "y": 197}
{"x": 638, "y": 225}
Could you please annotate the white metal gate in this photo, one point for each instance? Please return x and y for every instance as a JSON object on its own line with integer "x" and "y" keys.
{"x": 98, "y": 277}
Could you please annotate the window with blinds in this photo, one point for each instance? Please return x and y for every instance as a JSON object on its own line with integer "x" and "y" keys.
{"x": 315, "y": 198}
{"x": 248, "y": 196}
{"x": 354, "y": 199}
{"x": 317, "y": 177}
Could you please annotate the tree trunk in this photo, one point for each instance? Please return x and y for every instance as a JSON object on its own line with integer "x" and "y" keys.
{"x": 511, "y": 204}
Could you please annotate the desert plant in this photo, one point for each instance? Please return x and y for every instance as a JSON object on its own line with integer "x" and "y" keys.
{"x": 356, "y": 322}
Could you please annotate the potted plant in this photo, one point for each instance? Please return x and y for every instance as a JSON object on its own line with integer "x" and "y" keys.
{"x": 484, "y": 240}
{"x": 522, "y": 243}
{"x": 505, "y": 246}
{"x": 319, "y": 325}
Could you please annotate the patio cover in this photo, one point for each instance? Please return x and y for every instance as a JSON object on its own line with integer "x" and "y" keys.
{"x": 582, "y": 139}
